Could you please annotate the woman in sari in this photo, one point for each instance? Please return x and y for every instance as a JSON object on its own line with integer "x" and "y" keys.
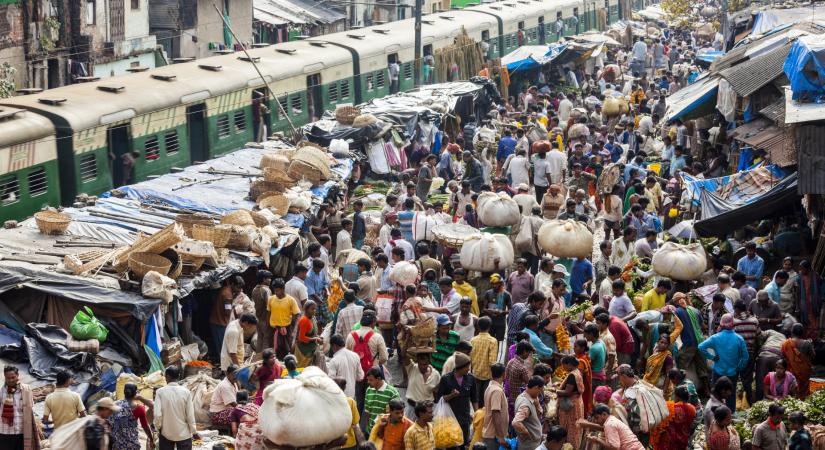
{"x": 674, "y": 432}
{"x": 810, "y": 288}
{"x": 798, "y": 353}
{"x": 722, "y": 435}
{"x": 780, "y": 383}
{"x": 244, "y": 423}
{"x": 571, "y": 406}
{"x": 308, "y": 336}
{"x": 265, "y": 374}
{"x": 678, "y": 378}
{"x": 658, "y": 366}
{"x": 585, "y": 368}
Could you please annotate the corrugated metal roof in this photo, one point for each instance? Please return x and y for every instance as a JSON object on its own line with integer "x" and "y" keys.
{"x": 728, "y": 59}
{"x": 796, "y": 112}
{"x": 296, "y": 11}
{"x": 747, "y": 77}
{"x": 775, "y": 111}
{"x": 809, "y": 139}
{"x": 776, "y": 142}
{"x": 749, "y": 129}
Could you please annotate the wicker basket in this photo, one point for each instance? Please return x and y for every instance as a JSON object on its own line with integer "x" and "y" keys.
{"x": 259, "y": 187}
{"x": 424, "y": 329}
{"x": 239, "y": 239}
{"x": 259, "y": 219}
{"x": 310, "y": 164}
{"x": 52, "y": 222}
{"x": 364, "y": 120}
{"x": 453, "y": 235}
{"x": 156, "y": 244}
{"x": 188, "y": 220}
{"x": 191, "y": 263}
{"x": 274, "y": 161}
{"x": 346, "y": 114}
{"x": 142, "y": 263}
{"x": 238, "y": 217}
{"x": 188, "y": 371}
{"x": 277, "y": 175}
{"x": 303, "y": 144}
{"x": 278, "y": 203}
{"x": 218, "y": 235}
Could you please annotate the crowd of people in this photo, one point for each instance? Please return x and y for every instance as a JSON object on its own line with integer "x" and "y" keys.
{"x": 653, "y": 369}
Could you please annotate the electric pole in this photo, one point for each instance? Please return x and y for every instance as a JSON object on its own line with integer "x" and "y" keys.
{"x": 417, "y": 64}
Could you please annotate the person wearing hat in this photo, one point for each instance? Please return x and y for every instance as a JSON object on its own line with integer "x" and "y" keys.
{"x": 458, "y": 389}
{"x": 96, "y": 429}
{"x": 524, "y": 200}
{"x": 495, "y": 305}
{"x": 729, "y": 354}
{"x": 446, "y": 341}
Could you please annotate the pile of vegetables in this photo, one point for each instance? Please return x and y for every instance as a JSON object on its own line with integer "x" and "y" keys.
{"x": 813, "y": 408}
{"x": 576, "y": 309}
{"x": 634, "y": 283}
{"x": 380, "y": 187}
{"x": 442, "y": 198}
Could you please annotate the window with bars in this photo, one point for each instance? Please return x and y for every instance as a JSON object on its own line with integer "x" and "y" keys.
{"x": 38, "y": 184}
{"x": 240, "y": 121}
{"x": 379, "y": 79}
{"x": 408, "y": 71}
{"x": 333, "y": 92}
{"x": 296, "y": 104}
{"x": 152, "y": 147}
{"x": 370, "y": 82}
{"x": 223, "y": 126}
{"x": 283, "y": 107}
{"x": 171, "y": 141}
{"x": 88, "y": 167}
{"x": 344, "y": 90}
{"x": 9, "y": 190}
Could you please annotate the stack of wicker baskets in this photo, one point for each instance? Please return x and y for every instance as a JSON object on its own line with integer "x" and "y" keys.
{"x": 187, "y": 221}
{"x": 52, "y": 222}
{"x": 218, "y": 235}
{"x": 141, "y": 263}
{"x": 311, "y": 164}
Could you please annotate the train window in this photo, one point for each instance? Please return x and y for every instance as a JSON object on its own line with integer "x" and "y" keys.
{"x": 171, "y": 141}
{"x": 370, "y": 82}
{"x": 379, "y": 79}
{"x": 152, "y": 147}
{"x": 333, "y": 92}
{"x": 88, "y": 167}
{"x": 223, "y": 126}
{"x": 297, "y": 104}
{"x": 408, "y": 71}
{"x": 344, "y": 90}
{"x": 38, "y": 184}
{"x": 9, "y": 190}
{"x": 240, "y": 121}
{"x": 283, "y": 107}
{"x": 521, "y": 25}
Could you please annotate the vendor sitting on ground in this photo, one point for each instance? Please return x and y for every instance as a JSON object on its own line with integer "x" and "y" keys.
{"x": 224, "y": 399}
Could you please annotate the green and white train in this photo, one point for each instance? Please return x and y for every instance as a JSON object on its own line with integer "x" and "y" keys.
{"x": 62, "y": 142}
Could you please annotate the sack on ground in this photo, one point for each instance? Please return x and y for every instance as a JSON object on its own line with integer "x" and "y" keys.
{"x": 566, "y": 238}
{"x": 288, "y": 402}
{"x": 481, "y": 252}
{"x": 680, "y": 262}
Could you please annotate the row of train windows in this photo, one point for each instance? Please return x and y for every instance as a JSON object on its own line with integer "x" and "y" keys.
{"x": 375, "y": 80}
{"x": 296, "y": 104}
{"x": 10, "y": 186}
{"x": 339, "y": 91}
{"x": 170, "y": 139}
{"x": 225, "y": 128}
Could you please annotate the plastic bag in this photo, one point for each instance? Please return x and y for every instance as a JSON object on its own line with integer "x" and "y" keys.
{"x": 446, "y": 428}
{"x": 155, "y": 285}
{"x": 86, "y": 326}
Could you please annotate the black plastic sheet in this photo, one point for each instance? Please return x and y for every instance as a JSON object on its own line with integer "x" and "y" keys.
{"x": 43, "y": 348}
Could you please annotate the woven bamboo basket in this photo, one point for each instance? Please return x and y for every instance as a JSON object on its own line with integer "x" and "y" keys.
{"x": 278, "y": 203}
{"x": 423, "y": 329}
{"x": 259, "y": 219}
{"x": 277, "y": 175}
{"x": 346, "y": 114}
{"x": 218, "y": 235}
{"x": 274, "y": 161}
{"x": 259, "y": 187}
{"x": 364, "y": 120}
{"x": 188, "y": 220}
{"x": 266, "y": 194}
{"x": 191, "y": 263}
{"x": 239, "y": 239}
{"x": 310, "y": 164}
{"x": 156, "y": 244}
{"x": 238, "y": 217}
{"x": 141, "y": 263}
{"x": 453, "y": 235}
{"x": 52, "y": 222}
{"x": 303, "y": 144}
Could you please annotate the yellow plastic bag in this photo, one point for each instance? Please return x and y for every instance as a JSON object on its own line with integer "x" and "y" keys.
{"x": 446, "y": 429}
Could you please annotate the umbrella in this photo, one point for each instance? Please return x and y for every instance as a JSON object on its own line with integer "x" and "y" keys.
{"x": 683, "y": 229}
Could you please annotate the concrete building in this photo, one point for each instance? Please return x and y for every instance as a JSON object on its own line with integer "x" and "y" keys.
{"x": 194, "y": 29}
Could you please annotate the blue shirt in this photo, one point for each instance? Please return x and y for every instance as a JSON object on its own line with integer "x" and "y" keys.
{"x": 316, "y": 282}
{"x": 405, "y": 224}
{"x": 445, "y": 163}
{"x": 688, "y": 335}
{"x": 506, "y": 147}
{"x": 678, "y": 164}
{"x": 731, "y": 352}
{"x": 542, "y": 350}
{"x": 582, "y": 271}
{"x": 615, "y": 150}
{"x": 773, "y": 291}
{"x": 752, "y": 267}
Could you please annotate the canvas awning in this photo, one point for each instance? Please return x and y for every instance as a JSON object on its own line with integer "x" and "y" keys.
{"x": 693, "y": 100}
{"x": 531, "y": 56}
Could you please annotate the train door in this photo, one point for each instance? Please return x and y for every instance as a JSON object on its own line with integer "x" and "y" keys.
{"x": 315, "y": 101}
{"x": 117, "y": 142}
{"x": 541, "y": 31}
{"x": 196, "y": 127}
{"x": 260, "y": 114}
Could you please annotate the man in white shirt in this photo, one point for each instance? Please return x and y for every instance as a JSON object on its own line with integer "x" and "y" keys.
{"x": 518, "y": 167}
{"x": 174, "y": 414}
{"x": 624, "y": 247}
{"x": 232, "y": 350}
{"x": 606, "y": 286}
{"x": 344, "y": 239}
{"x": 524, "y": 200}
{"x": 390, "y": 222}
{"x": 344, "y": 364}
{"x": 397, "y": 240}
{"x": 224, "y": 398}
{"x": 639, "y": 54}
{"x": 295, "y": 287}
{"x": 646, "y": 126}
{"x": 644, "y": 248}
{"x": 556, "y": 166}
{"x": 565, "y": 106}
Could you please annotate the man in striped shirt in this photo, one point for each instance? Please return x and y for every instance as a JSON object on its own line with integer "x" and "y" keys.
{"x": 377, "y": 399}
{"x": 747, "y": 326}
{"x": 420, "y": 436}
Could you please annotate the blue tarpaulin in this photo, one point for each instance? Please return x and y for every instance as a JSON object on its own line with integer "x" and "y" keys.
{"x": 531, "y": 56}
{"x": 691, "y": 98}
{"x": 717, "y": 195}
{"x": 805, "y": 68}
{"x": 708, "y": 57}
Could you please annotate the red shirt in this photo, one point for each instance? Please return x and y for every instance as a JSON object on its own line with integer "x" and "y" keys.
{"x": 620, "y": 332}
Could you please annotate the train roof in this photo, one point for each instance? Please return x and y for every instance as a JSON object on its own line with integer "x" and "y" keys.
{"x": 18, "y": 126}
{"x": 86, "y": 105}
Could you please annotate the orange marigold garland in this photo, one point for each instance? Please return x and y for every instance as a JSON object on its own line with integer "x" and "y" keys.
{"x": 657, "y": 435}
